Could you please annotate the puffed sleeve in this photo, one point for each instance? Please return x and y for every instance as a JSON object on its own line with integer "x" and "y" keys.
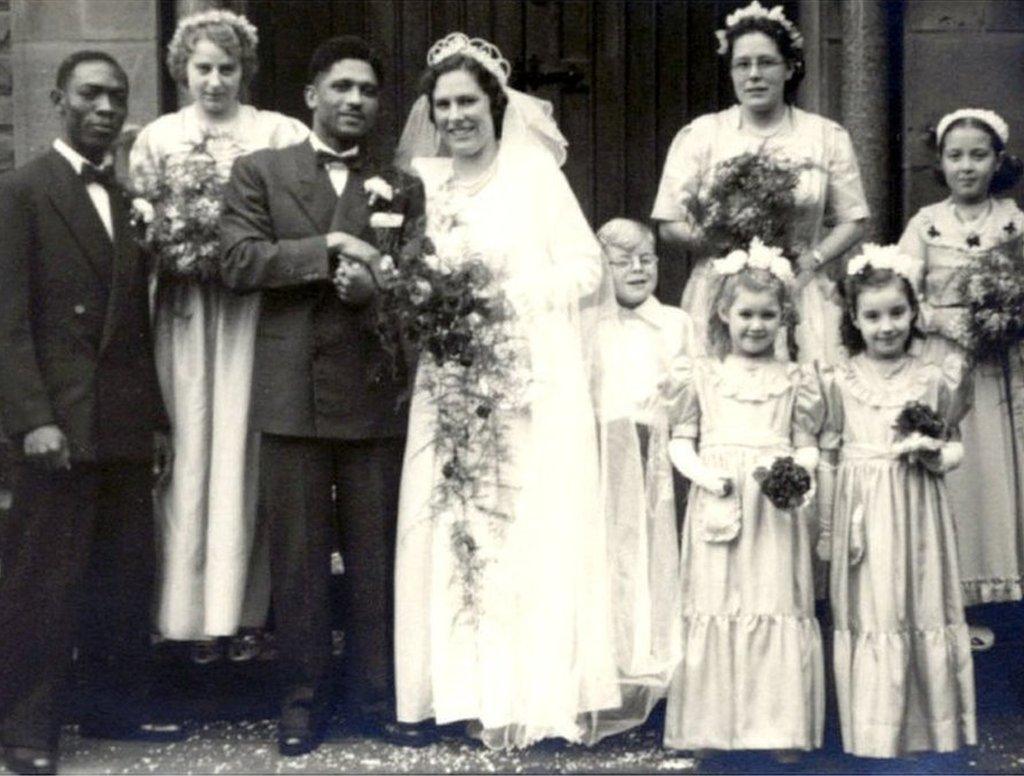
{"x": 831, "y": 435}
{"x": 685, "y": 166}
{"x": 808, "y": 407}
{"x": 846, "y": 199}
{"x": 912, "y": 244}
{"x": 681, "y": 398}
{"x": 286, "y": 131}
{"x": 956, "y": 389}
{"x": 144, "y": 160}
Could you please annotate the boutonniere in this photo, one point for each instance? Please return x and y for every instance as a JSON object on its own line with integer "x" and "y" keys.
{"x": 142, "y": 211}
{"x": 378, "y": 189}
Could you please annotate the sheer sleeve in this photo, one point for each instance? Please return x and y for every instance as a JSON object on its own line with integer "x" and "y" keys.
{"x": 808, "y": 407}
{"x": 685, "y": 166}
{"x": 912, "y": 244}
{"x": 681, "y": 399}
{"x": 144, "y": 160}
{"x": 287, "y": 131}
{"x": 573, "y": 248}
{"x": 956, "y": 390}
{"x": 831, "y": 435}
{"x": 846, "y": 199}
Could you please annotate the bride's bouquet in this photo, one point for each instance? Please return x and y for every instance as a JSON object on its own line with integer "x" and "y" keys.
{"x": 176, "y": 210}
{"x": 992, "y": 286}
{"x": 752, "y": 195}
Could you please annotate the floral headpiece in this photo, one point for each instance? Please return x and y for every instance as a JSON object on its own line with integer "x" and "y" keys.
{"x": 757, "y": 11}
{"x": 758, "y": 256}
{"x": 244, "y": 29}
{"x": 988, "y": 117}
{"x": 484, "y": 52}
{"x": 887, "y": 257}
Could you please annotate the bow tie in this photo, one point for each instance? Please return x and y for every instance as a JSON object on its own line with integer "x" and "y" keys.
{"x": 347, "y": 160}
{"x": 102, "y": 175}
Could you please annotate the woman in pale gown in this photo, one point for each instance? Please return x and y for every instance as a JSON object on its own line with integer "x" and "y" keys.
{"x": 766, "y": 62}
{"x": 503, "y": 605}
{"x": 214, "y": 574}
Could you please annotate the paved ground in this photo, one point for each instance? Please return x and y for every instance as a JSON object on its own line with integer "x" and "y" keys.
{"x": 232, "y": 731}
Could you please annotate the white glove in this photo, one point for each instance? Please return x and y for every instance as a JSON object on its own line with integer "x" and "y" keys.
{"x": 684, "y": 457}
{"x": 807, "y": 457}
{"x": 947, "y": 458}
{"x": 826, "y": 493}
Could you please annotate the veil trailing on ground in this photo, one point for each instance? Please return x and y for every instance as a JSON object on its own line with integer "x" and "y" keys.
{"x": 629, "y": 582}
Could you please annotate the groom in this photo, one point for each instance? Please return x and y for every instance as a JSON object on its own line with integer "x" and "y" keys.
{"x": 296, "y": 228}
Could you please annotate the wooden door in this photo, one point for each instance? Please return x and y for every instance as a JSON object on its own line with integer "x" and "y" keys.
{"x": 623, "y": 75}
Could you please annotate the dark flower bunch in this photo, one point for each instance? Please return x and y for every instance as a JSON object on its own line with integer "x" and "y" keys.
{"x": 176, "y": 210}
{"x": 992, "y": 287}
{"x": 918, "y": 418}
{"x": 785, "y": 483}
{"x": 751, "y": 195}
{"x": 439, "y": 310}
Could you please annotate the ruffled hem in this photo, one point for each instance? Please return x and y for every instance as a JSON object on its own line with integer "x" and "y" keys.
{"x": 747, "y": 681}
{"x": 905, "y": 691}
{"x": 988, "y": 591}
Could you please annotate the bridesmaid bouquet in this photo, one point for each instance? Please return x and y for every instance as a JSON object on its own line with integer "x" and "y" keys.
{"x": 751, "y": 195}
{"x": 920, "y": 430}
{"x": 993, "y": 288}
{"x": 176, "y": 210}
{"x": 785, "y": 483}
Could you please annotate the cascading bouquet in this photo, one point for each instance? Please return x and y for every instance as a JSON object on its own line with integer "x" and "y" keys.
{"x": 785, "y": 483}
{"x": 992, "y": 287}
{"x": 920, "y": 431}
{"x": 176, "y": 210}
{"x": 751, "y": 195}
{"x": 452, "y": 312}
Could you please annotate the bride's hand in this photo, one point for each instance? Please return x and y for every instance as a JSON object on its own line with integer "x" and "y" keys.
{"x": 353, "y": 281}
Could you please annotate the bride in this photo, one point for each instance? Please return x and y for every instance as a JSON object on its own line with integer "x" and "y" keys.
{"x": 503, "y": 613}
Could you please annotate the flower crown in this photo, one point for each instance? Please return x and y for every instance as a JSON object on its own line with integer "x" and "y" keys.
{"x": 757, "y": 11}
{"x": 757, "y": 256}
{"x": 484, "y": 52}
{"x": 988, "y": 117}
{"x": 888, "y": 257}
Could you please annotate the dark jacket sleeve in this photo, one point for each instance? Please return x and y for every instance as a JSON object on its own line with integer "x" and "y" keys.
{"x": 254, "y": 257}
{"x": 24, "y": 400}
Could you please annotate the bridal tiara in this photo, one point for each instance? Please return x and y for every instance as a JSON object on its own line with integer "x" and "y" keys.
{"x": 757, "y": 11}
{"x": 484, "y": 52}
{"x": 757, "y": 256}
{"x": 987, "y": 117}
{"x": 890, "y": 257}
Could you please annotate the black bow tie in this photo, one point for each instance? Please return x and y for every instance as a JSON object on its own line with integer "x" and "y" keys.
{"x": 102, "y": 175}
{"x": 349, "y": 160}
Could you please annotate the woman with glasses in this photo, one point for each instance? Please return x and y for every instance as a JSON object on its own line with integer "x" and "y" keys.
{"x": 765, "y": 53}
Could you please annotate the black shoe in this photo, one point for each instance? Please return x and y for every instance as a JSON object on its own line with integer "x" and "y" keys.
{"x": 406, "y": 733}
{"x": 300, "y": 730}
{"x": 122, "y": 730}
{"x": 29, "y": 760}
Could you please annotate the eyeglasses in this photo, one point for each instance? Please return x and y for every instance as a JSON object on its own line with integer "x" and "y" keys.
{"x": 761, "y": 63}
{"x": 645, "y": 260}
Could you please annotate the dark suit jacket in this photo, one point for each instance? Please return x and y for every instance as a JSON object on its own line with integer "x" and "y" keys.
{"x": 75, "y": 343}
{"x": 319, "y": 368}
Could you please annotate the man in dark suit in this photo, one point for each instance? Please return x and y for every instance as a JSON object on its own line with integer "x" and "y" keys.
{"x": 330, "y": 413}
{"x": 79, "y": 398}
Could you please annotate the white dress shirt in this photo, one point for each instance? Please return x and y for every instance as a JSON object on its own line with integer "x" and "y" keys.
{"x": 100, "y": 196}
{"x": 338, "y": 173}
{"x": 654, "y": 334}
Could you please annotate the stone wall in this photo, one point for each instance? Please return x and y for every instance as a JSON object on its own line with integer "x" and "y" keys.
{"x": 6, "y": 83}
{"x": 43, "y": 32}
{"x": 957, "y": 53}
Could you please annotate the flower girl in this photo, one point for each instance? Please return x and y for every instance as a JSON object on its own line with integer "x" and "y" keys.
{"x": 903, "y": 669}
{"x": 950, "y": 238}
{"x": 751, "y": 676}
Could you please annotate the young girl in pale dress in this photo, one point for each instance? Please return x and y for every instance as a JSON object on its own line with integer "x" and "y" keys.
{"x": 751, "y": 676}
{"x": 214, "y": 571}
{"x": 947, "y": 237}
{"x": 904, "y": 678}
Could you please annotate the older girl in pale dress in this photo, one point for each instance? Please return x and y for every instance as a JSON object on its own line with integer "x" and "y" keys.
{"x": 904, "y": 675}
{"x": 987, "y": 492}
{"x": 766, "y": 62}
{"x": 752, "y": 672}
{"x": 212, "y": 582}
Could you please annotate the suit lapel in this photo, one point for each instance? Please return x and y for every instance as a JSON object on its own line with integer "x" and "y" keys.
{"x": 123, "y": 272}
{"x": 72, "y": 202}
{"x": 313, "y": 187}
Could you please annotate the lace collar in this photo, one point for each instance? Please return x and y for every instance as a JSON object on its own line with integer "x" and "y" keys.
{"x": 886, "y": 386}
{"x": 754, "y": 383}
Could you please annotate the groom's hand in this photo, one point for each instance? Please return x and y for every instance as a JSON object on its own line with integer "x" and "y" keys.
{"x": 344, "y": 244}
